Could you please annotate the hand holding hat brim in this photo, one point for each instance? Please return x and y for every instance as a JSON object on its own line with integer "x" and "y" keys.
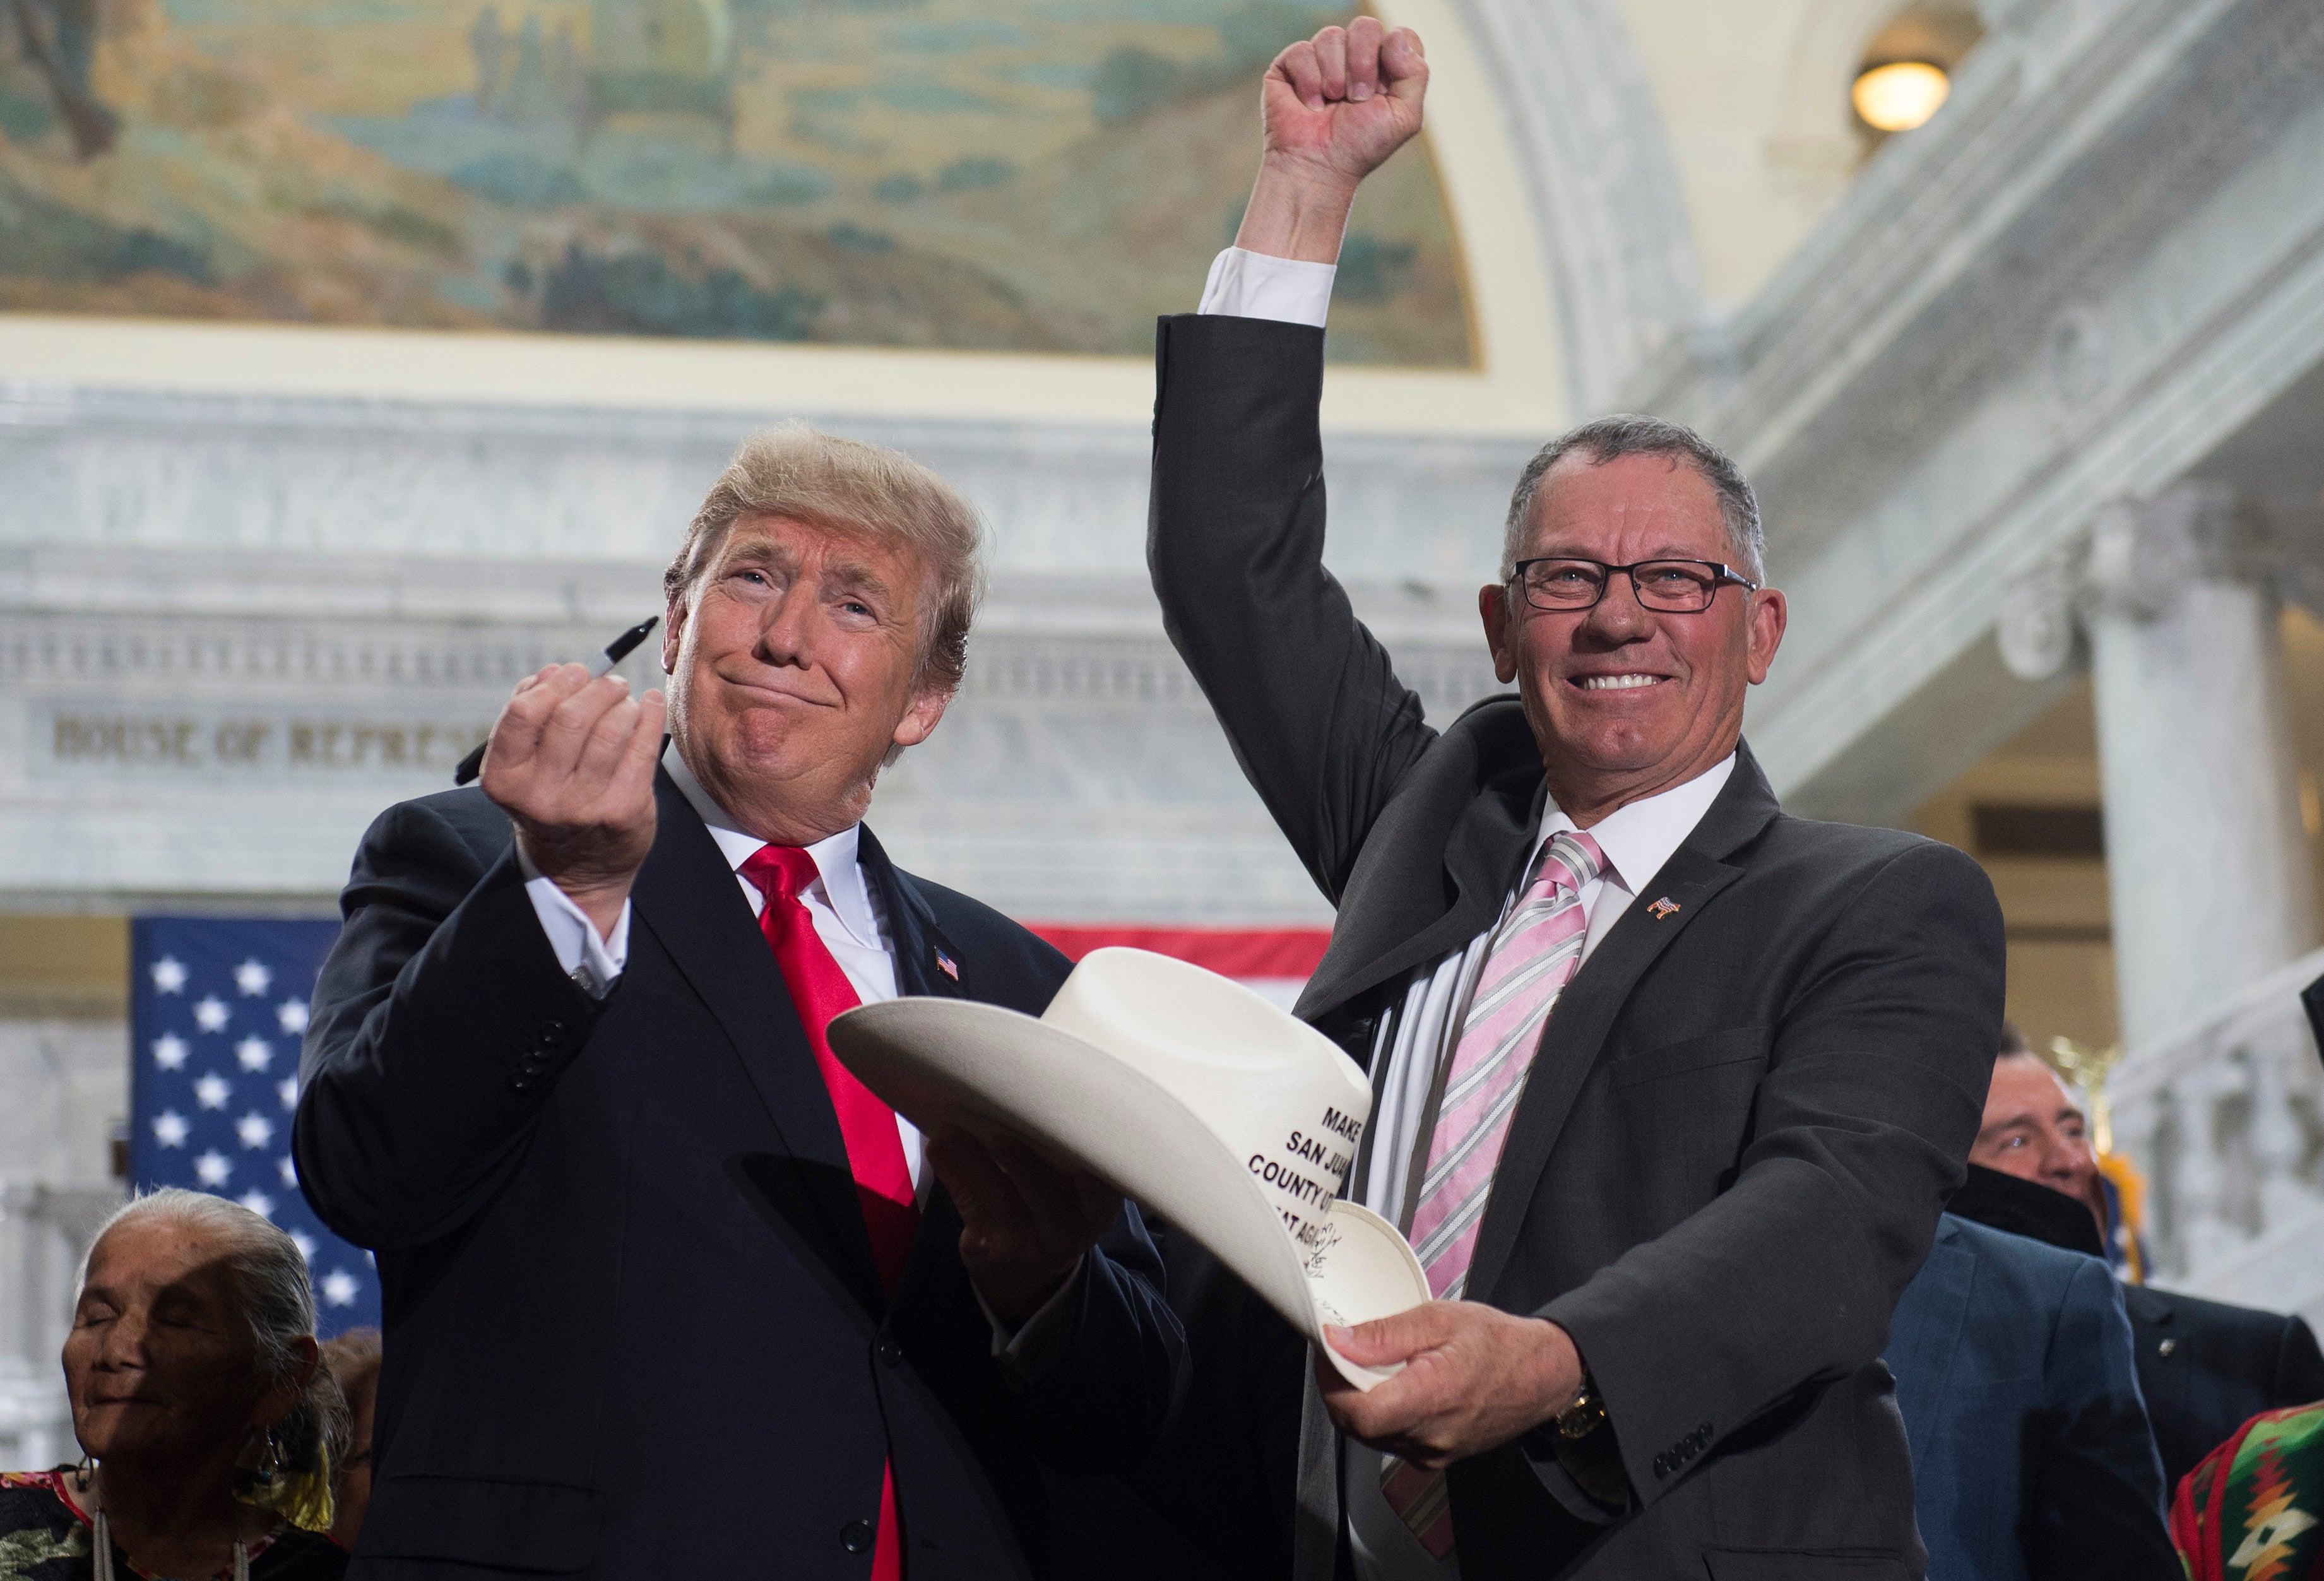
{"x": 985, "y": 1070}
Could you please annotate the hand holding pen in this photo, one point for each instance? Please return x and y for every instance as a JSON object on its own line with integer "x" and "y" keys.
{"x": 618, "y": 649}
{"x": 571, "y": 761}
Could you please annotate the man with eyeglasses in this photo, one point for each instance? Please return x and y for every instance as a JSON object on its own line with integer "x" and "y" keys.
{"x": 1670, "y": 1087}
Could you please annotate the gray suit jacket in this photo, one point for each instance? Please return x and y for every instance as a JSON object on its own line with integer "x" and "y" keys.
{"x": 1742, "y": 1120}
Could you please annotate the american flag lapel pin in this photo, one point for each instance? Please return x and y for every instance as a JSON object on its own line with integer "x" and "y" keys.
{"x": 1663, "y": 908}
{"x": 944, "y": 964}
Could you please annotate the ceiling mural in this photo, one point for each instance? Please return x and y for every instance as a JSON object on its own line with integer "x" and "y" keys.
{"x": 1022, "y": 175}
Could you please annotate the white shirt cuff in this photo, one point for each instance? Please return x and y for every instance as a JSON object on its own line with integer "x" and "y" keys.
{"x": 1025, "y": 1353}
{"x": 1256, "y": 285}
{"x": 595, "y": 963}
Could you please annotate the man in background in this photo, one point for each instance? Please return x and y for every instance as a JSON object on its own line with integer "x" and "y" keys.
{"x": 2204, "y": 1368}
{"x": 2032, "y": 1458}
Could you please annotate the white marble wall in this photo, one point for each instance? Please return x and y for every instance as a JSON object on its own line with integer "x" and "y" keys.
{"x": 65, "y": 1083}
{"x": 231, "y": 631}
{"x": 2101, "y": 259}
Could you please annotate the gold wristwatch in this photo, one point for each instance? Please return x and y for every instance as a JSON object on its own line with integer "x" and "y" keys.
{"x": 1584, "y": 1416}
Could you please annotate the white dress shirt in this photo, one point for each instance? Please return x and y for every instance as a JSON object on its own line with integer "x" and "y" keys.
{"x": 1256, "y": 285}
{"x": 1637, "y": 840}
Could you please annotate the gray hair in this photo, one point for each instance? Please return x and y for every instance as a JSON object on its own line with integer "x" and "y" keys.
{"x": 276, "y": 1300}
{"x": 862, "y": 490}
{"x": 1609, "y": 438}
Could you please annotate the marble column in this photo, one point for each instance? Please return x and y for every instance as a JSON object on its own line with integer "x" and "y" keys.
{"x": 2206, "y": 854}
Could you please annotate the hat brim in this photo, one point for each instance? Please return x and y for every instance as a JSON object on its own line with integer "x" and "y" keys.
{"x": 960, "y": 1064}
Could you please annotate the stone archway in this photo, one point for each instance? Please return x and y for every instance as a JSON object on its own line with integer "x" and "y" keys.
{"x": 1816, "y": 142}
{"x": 1604, "y": 187}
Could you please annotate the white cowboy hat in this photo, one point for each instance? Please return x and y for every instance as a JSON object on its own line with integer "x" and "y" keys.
{"x": 1185, "y": 1092}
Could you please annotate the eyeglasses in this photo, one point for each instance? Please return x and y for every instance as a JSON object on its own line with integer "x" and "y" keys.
{"x": 1682, "y": 587}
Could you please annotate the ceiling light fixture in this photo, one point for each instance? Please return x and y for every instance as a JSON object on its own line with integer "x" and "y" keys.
{"x": 1900, "y": 96}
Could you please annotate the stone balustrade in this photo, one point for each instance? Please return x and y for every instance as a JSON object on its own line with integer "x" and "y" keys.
{"x": 2225, "y": 1118}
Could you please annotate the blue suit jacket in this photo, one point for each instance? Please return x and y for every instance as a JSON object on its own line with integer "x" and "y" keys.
{"x": 2032, "y": 1457}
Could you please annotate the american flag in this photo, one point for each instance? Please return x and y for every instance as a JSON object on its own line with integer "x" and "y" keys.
{"x": 1275, "y": 961}
{"x": 218, "y": 1008}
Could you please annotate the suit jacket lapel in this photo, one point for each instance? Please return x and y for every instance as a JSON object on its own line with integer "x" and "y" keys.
{"x": 1575, "y": 1037}
{"x": 1480, "y": 859}
{"x": 912, "y": 928}
{"x": 687, "y": 898}
{"x": 918, "y": 941}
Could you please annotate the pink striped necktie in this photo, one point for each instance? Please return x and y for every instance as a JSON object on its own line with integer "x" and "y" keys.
{"x": 1533, "y": 954}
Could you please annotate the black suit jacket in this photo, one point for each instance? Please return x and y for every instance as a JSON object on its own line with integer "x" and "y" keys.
{"x": 1743, "y": 1116}
{"x": 634, "y": 1326}
{"x": 2205, "y": 1367}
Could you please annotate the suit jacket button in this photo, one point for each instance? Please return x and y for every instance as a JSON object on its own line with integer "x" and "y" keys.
{"x": 520, "y": 1084}
{"x": 855, "y": 1537}
{"x": 891, "y": 1354}
{"x": 2166, "y": 1347}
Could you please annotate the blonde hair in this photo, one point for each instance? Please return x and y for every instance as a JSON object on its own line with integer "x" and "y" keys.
{"x": 862, "y": 490}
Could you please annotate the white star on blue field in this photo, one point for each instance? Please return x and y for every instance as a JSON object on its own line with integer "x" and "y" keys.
{"x": 218, "y": 1006}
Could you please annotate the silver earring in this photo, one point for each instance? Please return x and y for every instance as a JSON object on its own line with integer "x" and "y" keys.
{"x": 269, "y": 1463}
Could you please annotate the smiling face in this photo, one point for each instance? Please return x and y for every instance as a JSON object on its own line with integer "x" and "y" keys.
{"x": 1625, "y": 700}
{"x": 793, "y": 661}
{"x": 159, "y": 1365}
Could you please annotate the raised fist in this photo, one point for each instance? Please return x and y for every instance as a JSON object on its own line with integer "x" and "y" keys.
{"x": 1344, "y": 101}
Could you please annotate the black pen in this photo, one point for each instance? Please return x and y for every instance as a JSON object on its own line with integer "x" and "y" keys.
{"x": 618, "y": 649}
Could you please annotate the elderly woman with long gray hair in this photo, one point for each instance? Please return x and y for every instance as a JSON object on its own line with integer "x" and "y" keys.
{"x": 208, "y": 1427}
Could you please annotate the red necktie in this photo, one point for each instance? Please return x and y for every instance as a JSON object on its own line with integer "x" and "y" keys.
{"x": 875, "y": 1151}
